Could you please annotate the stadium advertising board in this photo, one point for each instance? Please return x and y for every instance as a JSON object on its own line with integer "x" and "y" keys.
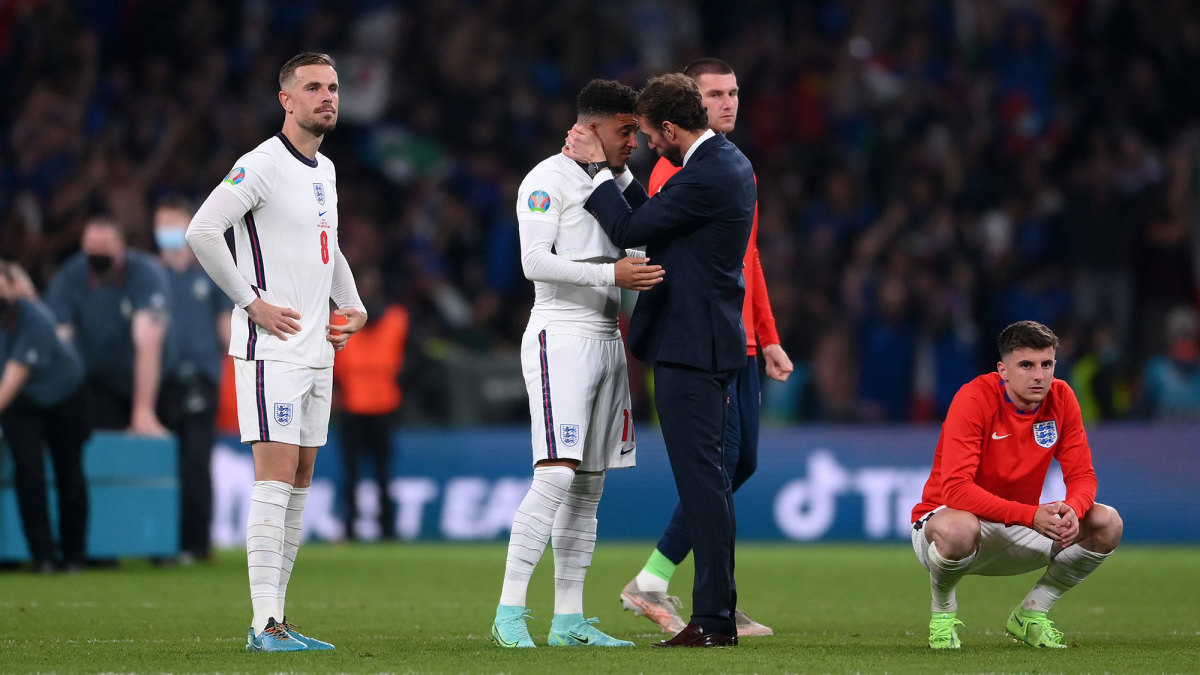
{"x": 833, "y": 483}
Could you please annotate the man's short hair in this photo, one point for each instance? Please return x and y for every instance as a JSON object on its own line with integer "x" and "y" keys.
{"x": 673, "y": 98}
{"x": 104, "y": 219}
{"x": 605, "y": 98}
{"x": 288, "y": 71}
{"x": 707, "y": 66}
{"x": 1026, "y": 335}
{"x": 176, "y": 202}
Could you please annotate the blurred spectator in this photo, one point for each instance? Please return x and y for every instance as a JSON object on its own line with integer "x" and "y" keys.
{"x": 1097, "y": 378}
{"x": 1046, "y": 148}
{"x": 1173, "y": 376}
{"x": 111, "y": 302}
{"x": 196, "y": 340}
{"x": 366, "y": 377}
{"x": 42, "y": 405}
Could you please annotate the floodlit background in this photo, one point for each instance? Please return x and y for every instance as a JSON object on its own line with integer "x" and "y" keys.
{"x": 928, "y": 172}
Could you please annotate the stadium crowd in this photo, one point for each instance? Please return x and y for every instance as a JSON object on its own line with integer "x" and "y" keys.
{"x": 928, "y": 171}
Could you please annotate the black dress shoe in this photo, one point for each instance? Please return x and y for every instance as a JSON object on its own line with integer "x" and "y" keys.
{"x": 694, "y": 635}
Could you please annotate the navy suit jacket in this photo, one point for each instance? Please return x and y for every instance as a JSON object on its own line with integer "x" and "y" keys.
{"x": 696, "y": 227}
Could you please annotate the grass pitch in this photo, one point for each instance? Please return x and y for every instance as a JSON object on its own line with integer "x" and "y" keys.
{"x": 428, "y": 608}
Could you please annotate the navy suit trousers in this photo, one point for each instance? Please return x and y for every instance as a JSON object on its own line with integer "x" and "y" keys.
{"x": 691, "y": 407}
{"x": 740, "y": 454}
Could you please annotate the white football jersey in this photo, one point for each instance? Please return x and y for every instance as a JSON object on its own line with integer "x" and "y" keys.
{"x": 286, "y": 246}
{"x": 553, "y": 194}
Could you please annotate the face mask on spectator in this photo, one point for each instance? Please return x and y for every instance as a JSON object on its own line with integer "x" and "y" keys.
{"x": 100, "y": 263}
{"x": 170, "y": 238}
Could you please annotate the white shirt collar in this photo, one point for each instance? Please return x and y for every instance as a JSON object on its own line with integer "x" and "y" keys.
{"x": 708, "y": 133}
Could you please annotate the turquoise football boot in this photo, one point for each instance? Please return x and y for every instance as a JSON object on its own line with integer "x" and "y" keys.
{"x": 509, "y": 629}
{"x": 572, "y": 630}
{"x": 311, "y": 643}
{"x": 274, "y": 638}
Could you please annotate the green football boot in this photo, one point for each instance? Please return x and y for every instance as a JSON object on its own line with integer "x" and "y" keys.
{"x": 943, "y": 631}
{"x": 572, "y": 630}
{"x": 1034, "y": 628}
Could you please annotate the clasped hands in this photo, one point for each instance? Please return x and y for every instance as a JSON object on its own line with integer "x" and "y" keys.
{"x": 1058, "y": 521}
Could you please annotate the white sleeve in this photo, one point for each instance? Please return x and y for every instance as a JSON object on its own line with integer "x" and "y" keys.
{"x": 624, "y": 179}
{"x": 206, "y": 236}
{"x": 541, "y": 264}
{"x": 344, "y": 291}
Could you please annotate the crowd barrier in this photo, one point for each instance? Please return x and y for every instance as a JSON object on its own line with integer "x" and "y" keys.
{"x": 133, "y": 492}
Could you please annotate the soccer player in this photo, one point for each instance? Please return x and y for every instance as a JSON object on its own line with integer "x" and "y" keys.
{"x": 574, "y": 364}
{"x": 646, "y": 595}
{"x": 979, "y": 512}
{"x": 690, "y": 326}
{"x": 281, "y": 198}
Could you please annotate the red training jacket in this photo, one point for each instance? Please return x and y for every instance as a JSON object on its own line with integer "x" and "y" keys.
{"x": 992, "y": 458}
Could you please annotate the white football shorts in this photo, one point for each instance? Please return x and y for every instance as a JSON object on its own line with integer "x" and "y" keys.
{"x": 1003, "y": 551}
{"x": 283, "y": 402}
{"x": 578, "y": 399}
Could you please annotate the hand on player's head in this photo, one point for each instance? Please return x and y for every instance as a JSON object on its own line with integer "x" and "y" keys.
{"x": 583, "y": 145}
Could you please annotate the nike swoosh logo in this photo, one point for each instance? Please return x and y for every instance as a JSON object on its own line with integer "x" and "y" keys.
{"x": 321, "y": 213}
{"x": 501, "y": 641}
{"x": 626, "y": 452}
{"x": 577, "y": 636}
{"x": 1020, "y": 622}
{"x": 995, "y": 437}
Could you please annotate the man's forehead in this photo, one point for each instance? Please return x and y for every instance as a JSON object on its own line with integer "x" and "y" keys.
{"x": 315, "y": 72}
{"x": 1028, "y": 354}
{"x": 714, "y": 82}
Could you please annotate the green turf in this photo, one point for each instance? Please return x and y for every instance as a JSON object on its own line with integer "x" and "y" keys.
{"x": 428, "y": 608}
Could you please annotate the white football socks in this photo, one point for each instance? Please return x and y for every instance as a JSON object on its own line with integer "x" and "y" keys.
{"x": 944, "y": 576}
{"x": 292, "y": 528}
{"x": 574, "y": 540}
{"x": 1065, "y": 571}
{"x": 531, "y": 530}
{"x": 648, "y": 582}
{"x": 264, "y": 548}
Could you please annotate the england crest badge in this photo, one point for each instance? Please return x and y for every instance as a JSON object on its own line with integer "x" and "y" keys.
{"x": 319, "y": 192}
{"x": 1045, "y": 433}
{"x": 569, "y": 433}
{"x": 283, "y": 414}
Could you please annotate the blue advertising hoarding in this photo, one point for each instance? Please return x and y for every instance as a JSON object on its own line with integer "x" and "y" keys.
{"x": 828, "y": 483}
{"x": 812, "y": 484}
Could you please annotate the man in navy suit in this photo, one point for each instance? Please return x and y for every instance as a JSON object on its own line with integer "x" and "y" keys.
{"x": 690, "y": 325}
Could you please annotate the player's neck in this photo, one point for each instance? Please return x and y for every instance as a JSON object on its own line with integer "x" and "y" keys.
{"x": 303, "y": 140}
